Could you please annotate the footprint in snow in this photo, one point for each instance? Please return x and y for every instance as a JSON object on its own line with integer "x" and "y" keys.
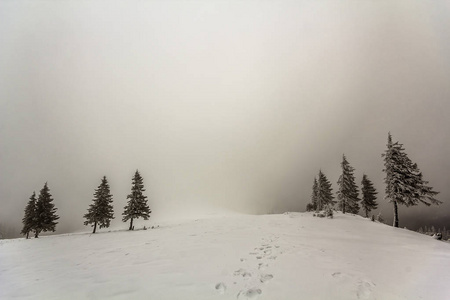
{"x": 262, "y": 266}
{"x": 221, "y": 288}
{"x": 336, "y": 274}
{"x": 265, "y": 277}
{"x": 364, "y": 290}
{"x": 243, "y": 273}
{"x": 249, "y": 294}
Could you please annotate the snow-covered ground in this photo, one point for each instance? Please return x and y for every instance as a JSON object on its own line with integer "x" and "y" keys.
{"x": 288, "y": 256}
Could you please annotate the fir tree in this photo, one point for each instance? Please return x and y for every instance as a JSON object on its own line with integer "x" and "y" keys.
{"x": 45, "y": 212}
{"x": 314, "y": 195}
{"x": 368, "y": 195}
{"x": 404, "y": 182}
{"x": 137, "y": 206}
{"x": 100, "y": 212}
{"x": 348, "y": 191}
{"x": 29, "y": 220}
{"x": 324, "y": 192}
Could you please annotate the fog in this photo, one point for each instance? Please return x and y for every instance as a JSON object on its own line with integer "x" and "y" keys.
{"x": 219, "y": 104}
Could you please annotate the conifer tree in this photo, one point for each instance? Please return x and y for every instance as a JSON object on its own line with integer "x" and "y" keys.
{"x": 100, "y": 212}
{"x": 29, "y": 220}
{"x": 348, "y": 191}
{"x": 324, "y": 192}
{"x": 137, "y": 206}
{"x": 314, "y": 195}
{"x": 368, "y": 195}
{"x": 45, "y": 212}
{"x": 404, "y": 182}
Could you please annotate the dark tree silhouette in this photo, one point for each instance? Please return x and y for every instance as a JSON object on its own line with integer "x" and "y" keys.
{"x": 348, "y": 191}
{"x": 45, "y": 212}
{"x": 324, "y": 192}
{"x": 137, "y": 206}
{"x": 29, "y": 220}
{"x": 369, "y": 197}
{"x": 100, "y": 212}
{"x": 314, "y": 196}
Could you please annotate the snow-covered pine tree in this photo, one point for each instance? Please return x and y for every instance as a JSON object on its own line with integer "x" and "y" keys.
{"x": 404, "y": 181}
{"x": 29, "y": 219}
{"x": 100, "y": 212}
{"x": 314, "y": 195}
{"x": 368, "y": 195}
{"x": 137, "y": 206}
{"x": 45, "y": 212}
{"x": 348, "y": 191}
{"x": 324, "y": 192}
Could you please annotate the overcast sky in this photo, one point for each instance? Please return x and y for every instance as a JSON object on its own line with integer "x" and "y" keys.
{"x": 233, "y": 104}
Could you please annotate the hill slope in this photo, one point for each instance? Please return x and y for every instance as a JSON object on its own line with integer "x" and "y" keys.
{"x": 289, "y": 256}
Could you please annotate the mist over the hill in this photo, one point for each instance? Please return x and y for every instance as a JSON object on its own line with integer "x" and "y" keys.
{"x": 233, "y": 105}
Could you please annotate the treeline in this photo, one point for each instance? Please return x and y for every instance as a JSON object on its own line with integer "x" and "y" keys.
{"x": 404, "y": 185}
{"x": 40, "y": 213}
{"x": 431, "y": 230}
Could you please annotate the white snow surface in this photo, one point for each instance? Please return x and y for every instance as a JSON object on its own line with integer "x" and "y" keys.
{"x": 287, "y": 256}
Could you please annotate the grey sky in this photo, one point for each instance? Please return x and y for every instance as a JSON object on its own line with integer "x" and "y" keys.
{"x": 230, "y": 103}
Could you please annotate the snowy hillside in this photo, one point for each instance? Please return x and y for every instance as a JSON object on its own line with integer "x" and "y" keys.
{"x": 289, "y": 256}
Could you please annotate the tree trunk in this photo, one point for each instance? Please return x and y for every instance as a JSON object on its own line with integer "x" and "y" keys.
{"x": 28, "y": 234}
{"x": 36, "y": 234}
{"x": 343, "y": 207}
{"x": 395, "y": 214}
{"x": 131, "y": 224}
{"x": 95, "y": 227}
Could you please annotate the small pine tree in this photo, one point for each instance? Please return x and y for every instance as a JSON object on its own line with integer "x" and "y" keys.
{"x": 420, "y": 230}
{"x": 324, "y": 192}
{"x": 29, "y": 220}
{"x": 368, "y": 196}
{"x": 314, "y": 195}
{"x": 137, "y": 206}
{"x": 45, "y": 212}
{"x": 100, "y": 212}
{"x": 348, "y": 191}
{"x": 404, "y": 181}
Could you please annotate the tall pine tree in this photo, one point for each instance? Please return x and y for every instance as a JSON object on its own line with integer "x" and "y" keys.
{"x": 29, "y": 220}
{"x": 100, "y": 212}
{"x": 368, "y": 195}
{"x": 348, "y": 191}
{"x": 324, "y": 195}
{"x": 137, "y": 206}
{"x": 45, "y": 212}
{"x": 404, "y": 181}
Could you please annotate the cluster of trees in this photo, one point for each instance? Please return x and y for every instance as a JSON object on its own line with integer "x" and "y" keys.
{"x": 432, "y": 230}
{"x": 404, "y": 185}
{"x": 348, "y": 199}
{"x": 40, "y": 213}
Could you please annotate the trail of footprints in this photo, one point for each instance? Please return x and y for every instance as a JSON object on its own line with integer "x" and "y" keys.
{"x": 259, "y": 260}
